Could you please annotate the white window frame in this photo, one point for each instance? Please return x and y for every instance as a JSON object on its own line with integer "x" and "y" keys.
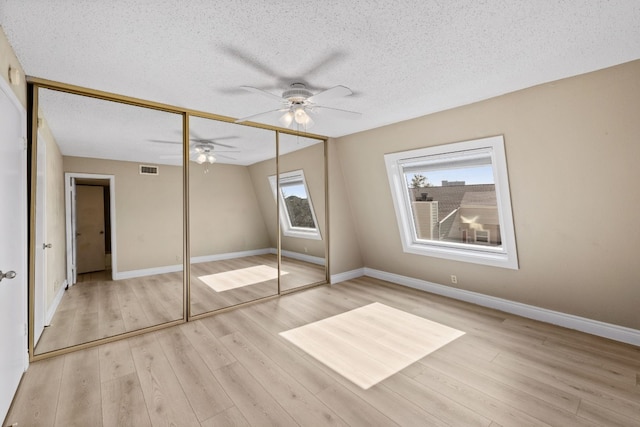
{"x": 285, "y": 222}
{"x": 504, "y": 256}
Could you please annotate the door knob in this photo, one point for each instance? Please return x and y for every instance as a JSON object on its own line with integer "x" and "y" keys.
{"x": 46, "y": 246}
{"x": 8, "y": 275}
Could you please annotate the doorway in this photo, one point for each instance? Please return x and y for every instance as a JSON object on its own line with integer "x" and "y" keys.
{"x": 90, "y": 227}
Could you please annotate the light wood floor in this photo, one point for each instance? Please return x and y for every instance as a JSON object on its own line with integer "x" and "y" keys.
{"x": 97, "y": 307}
{"x": 234, "y": 369}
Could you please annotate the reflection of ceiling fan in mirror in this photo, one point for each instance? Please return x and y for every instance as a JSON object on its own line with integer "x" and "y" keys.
{"x": 299, "y": 104}
{"x": 202, "y": 150}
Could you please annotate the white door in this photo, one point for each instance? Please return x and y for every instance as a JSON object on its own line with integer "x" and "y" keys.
{"x": 13, "y": 243}
{"x": 40, "y": 293}
{"x": 70, "y": 200}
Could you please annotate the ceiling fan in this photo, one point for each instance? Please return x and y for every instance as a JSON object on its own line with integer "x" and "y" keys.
{"x": 299, "y": 104}
{"x": 201, "y": 150}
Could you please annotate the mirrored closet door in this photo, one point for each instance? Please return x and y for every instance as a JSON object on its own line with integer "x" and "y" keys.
{"x": 301, "y": 191}
{"x": 231, "y": 218}
{"x": 108, "y": 220}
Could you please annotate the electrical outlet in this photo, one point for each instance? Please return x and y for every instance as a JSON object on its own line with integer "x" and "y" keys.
{"x": 454, "y": 279}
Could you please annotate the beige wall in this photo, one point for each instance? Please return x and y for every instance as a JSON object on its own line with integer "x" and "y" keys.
{"x": 225, "y": 216}
{"x": 259, "y": 173}
{"x": 344, "y": 250}
{"x": 55, "y": 232}
{"x": 572, "y": 151}
{"x": 148, "y": 212}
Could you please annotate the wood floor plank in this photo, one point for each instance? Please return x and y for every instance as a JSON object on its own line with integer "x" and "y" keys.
{"x": 212, "y": 351}
{"x": 123, "y": 403}
{"x": 287, "y": 356}
{"x": 301, "y": 404}
{"x": 228, "y": 418}
{"x": 506, "y": 392}
{"x": 79, "y": 401}
{"x": 255, "y": 403}
{"x": 36, "y": 402}
{"x": 394, "y": 406}
{"x": 205, "y": 395}
{"x": 165, "y": 400}
{"x": 601, "y": 416}
{"x": 522, "y": 383}
{"x": 353, "y": 410}
{"x": 449, "y": 409}
{"x": 115, "y": 360}
{"x": 601, "y": 394}
{"x": 476, "y": 400}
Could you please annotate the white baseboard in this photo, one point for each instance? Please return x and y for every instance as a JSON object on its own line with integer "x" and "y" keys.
{"x": 131, "y": 274}
{"x": 347, "y": 275}
{"x": 594, "y": 327}
{"x": 300, "y": 257}
{"x": 229, "y": 255}
{"x": 194, "y": 260}
{"x": 54, "y": 304}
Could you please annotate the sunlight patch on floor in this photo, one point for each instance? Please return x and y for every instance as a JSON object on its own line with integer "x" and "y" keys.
{"x": 371, "y": 343}
{"x": 233, "y": 279}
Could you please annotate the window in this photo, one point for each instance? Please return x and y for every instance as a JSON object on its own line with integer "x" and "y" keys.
{"x": 297, "y": 217}
{"x": 452, "y": 201}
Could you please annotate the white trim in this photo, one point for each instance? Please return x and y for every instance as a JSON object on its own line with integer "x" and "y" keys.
{"x": 194, "y": 260}
{"x": 285, "y": 222}
{"x": 300, "y": 257}
{"x": 112, "y": 216}
{"x": 131, "y": 274}
{"x": 594, "y": 327}
{"x": 229, "y": 255}
{"x": 347, "y": 275}
{"x": 54, "y": 304}
{"x": 505, "y": 256}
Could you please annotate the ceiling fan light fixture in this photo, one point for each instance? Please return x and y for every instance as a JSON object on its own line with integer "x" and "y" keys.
{"x": 286, "y": 119}
{"x": 211, "y": 158}
{"x": 301, "y": 117}
{"x": 201, "y": 158}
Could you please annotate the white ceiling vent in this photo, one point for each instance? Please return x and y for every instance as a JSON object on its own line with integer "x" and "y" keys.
{"x": 149, "y": 170}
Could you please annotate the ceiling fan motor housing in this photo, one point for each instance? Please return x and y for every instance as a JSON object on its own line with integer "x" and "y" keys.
{"x": 298, "y": 93}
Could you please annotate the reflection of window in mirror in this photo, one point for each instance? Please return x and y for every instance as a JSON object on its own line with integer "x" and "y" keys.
{"x": 297, "y": 216}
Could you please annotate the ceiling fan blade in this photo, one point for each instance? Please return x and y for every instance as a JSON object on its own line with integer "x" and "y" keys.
{"x": 261, "y": 115}
{"x": 212, "y": 141}
{"x": 334, "y": 92}
{"x": 263, "y": 92}
{"x": 160, "y": 141}
{"x": 337, "y": 111}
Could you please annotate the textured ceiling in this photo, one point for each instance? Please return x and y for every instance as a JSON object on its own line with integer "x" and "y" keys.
{"x": 402, "y": 58}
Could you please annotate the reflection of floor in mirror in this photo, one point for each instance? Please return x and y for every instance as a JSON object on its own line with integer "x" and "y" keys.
{"x": 97, "y": 307}
{"x": 90, "y": 310}
{"x": 205, "y": 299}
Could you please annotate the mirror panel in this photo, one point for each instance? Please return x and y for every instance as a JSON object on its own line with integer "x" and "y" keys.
{"x": 117, "y": 245}
{"x": 302, "y": 211}
{"x": 231, "y": 248}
